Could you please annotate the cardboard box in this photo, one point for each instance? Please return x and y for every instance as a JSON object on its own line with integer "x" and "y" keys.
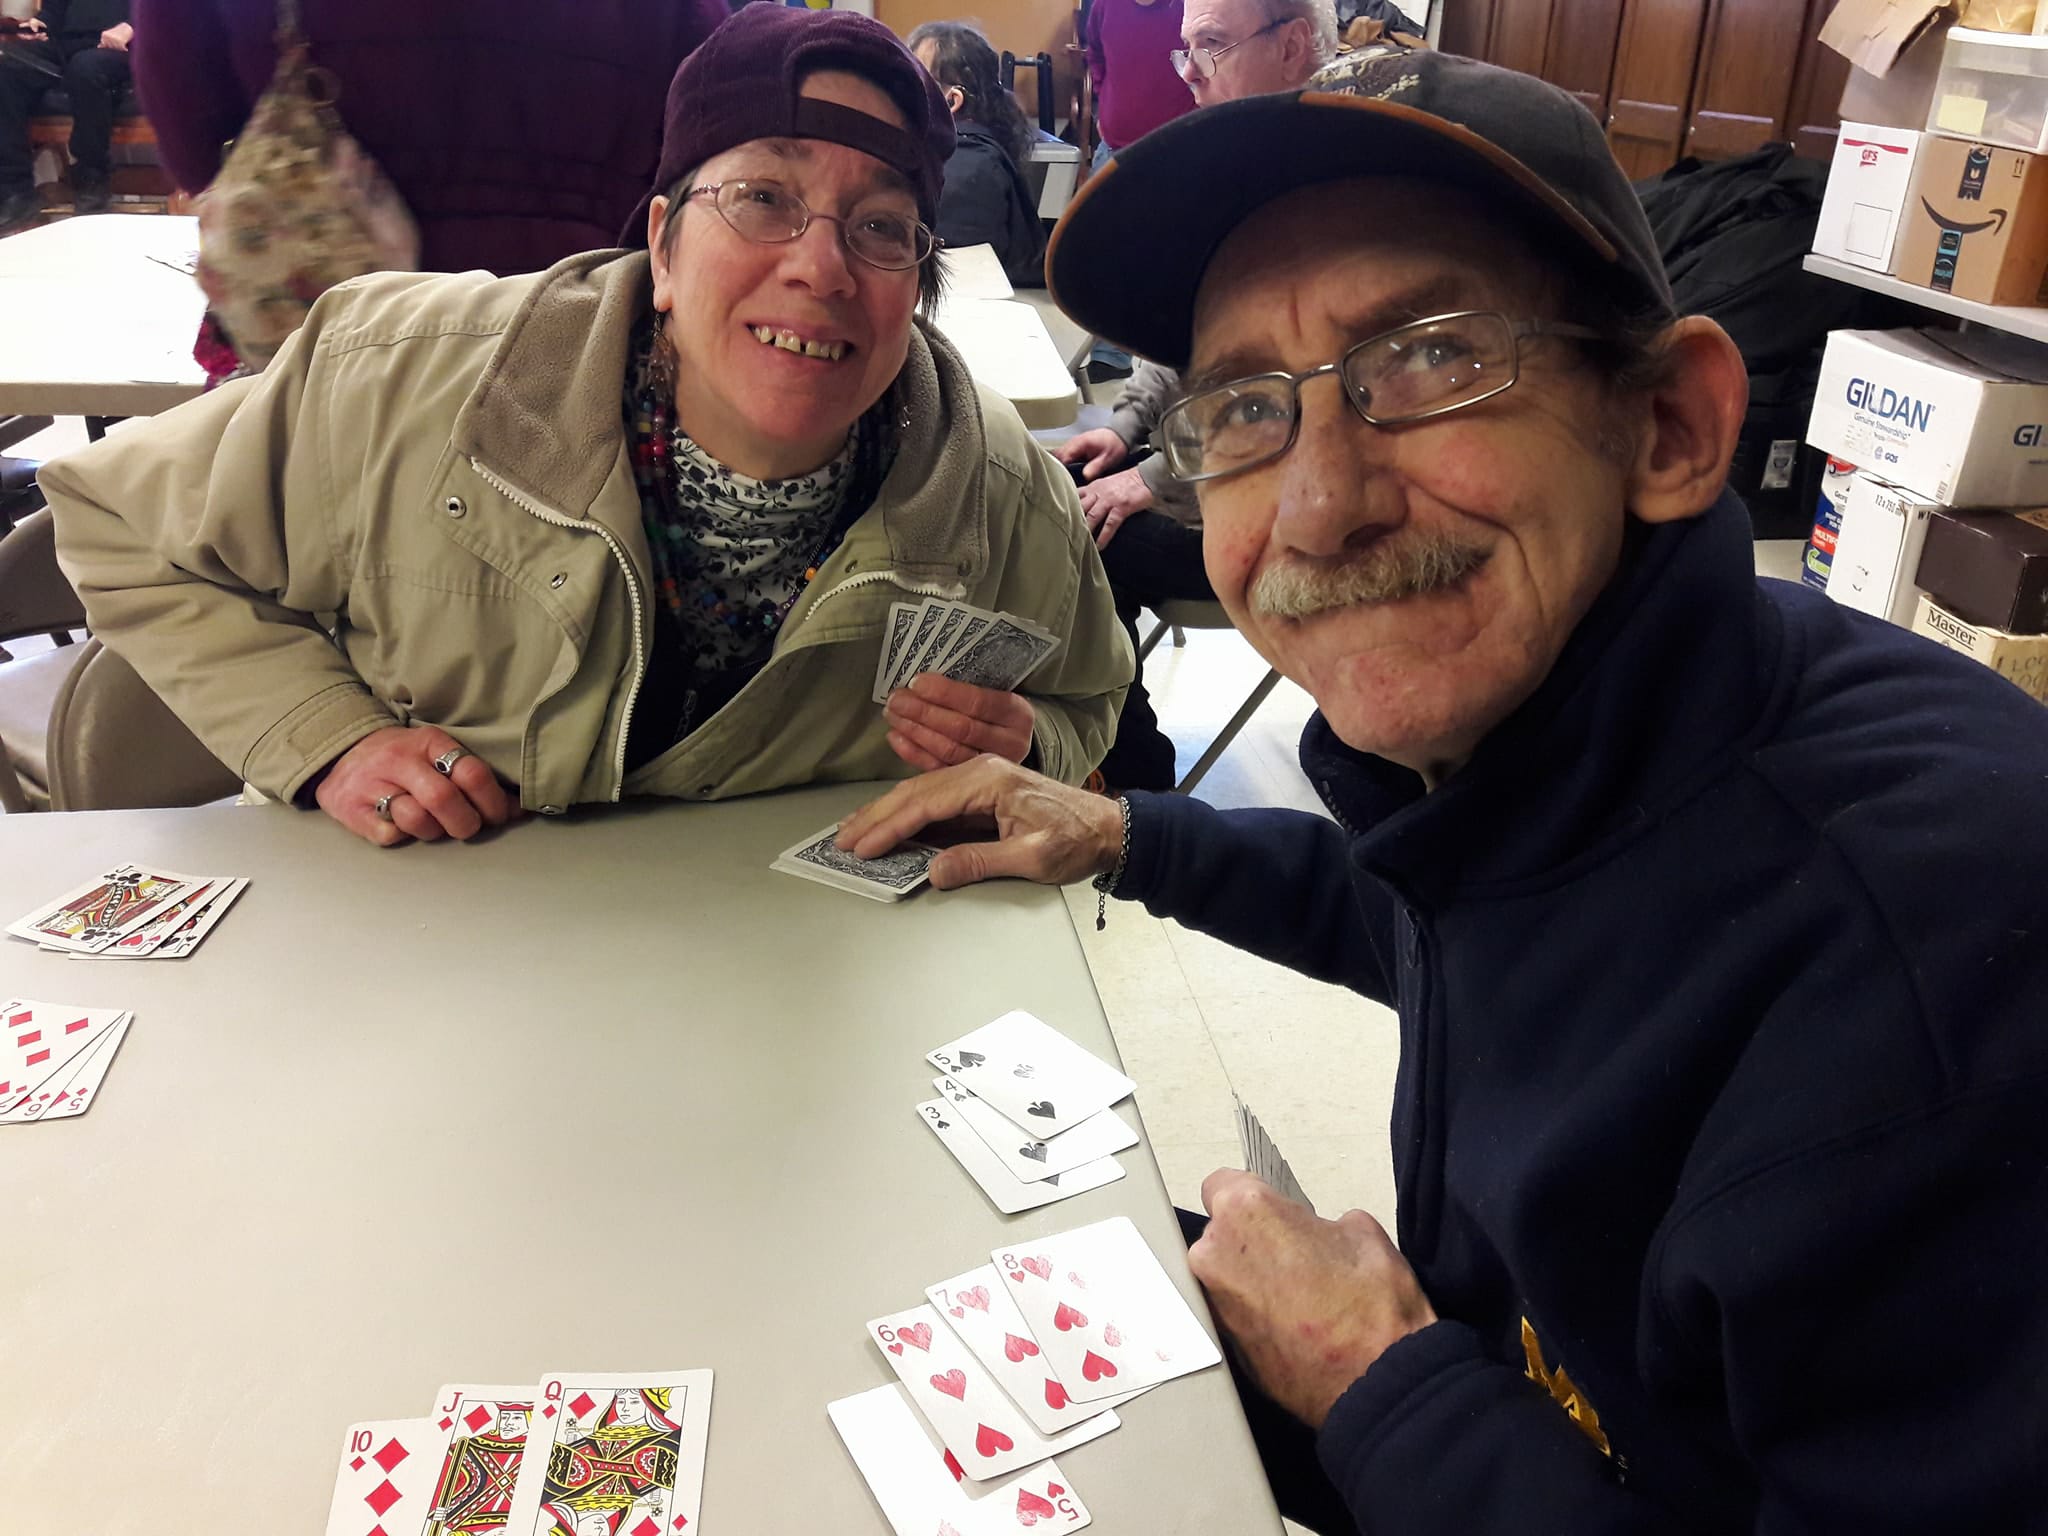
{"x": 1878, "y": 548}
{"x": 1860, "y": 215}
{"x": 1819, "y": 558}
{"x": 1896, "y": 47}
{"x": 1990, "y": 568}
{"x": 2023, "y": 659}
{"x": 1958, "y": 419}
{"x": 1976, "y": 222}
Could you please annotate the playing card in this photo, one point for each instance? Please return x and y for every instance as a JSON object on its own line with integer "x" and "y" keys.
{"x": 929, "y": 617}
{"x": 204, "y": 903}
{"x": 920, "y": 1492}
{"x": 890, "y": 877}
{"x": 92, "y": 917}
{"x": 72, "y": 1091}
{"x": 1010, "y": 1195}
{"x": 628, "y": 1448}
{"x": 972, "y": 1416}
{"x": 1031, "y": 1073}
{"x": 979, "y": 1308}
{"x": 1262, "y": 1158}
{"x": 1103, "y": 1311}
{"x": 185, "y": 938}
{"x": 942, "y": 638}
{"x": 485, "y": 1432}
{"x": 1027, "y": 1158}
{"x": 387, "y": 1466}
{"x": 39, "y": 1040}
{"x": 1002, "y": 655}
{"x": 902, "y": 620}
{"x": 973, "y": 621}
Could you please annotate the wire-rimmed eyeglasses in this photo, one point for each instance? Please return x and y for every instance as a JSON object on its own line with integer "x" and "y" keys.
{"x": 768, "y": 213}
{"x": 1411, "y": 373}
{"x": 1204, "y": 59}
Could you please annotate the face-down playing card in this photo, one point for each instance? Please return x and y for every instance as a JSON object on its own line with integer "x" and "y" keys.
{"x": 1103, "y": 1310}
{"x": 1032, "y": 1073}
{"x": 889, "y": 877}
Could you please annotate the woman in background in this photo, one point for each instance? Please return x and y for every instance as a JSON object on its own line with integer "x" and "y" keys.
{"x": 985, "y": 200}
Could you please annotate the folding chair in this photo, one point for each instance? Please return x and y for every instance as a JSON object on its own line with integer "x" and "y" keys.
{"x": 35, "y": 599}
{"x": 1179, "y": 617}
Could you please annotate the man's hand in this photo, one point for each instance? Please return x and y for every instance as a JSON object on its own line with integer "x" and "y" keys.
{"x": 1309, "y": 1303}
{"x": 1097, "y": 451}
{"x": 936, "y": 722}
{"x": 117, "y": 38}
{"x": 1045, "y": 830}
{"x": 1106, "y": 503}
{"x": 34, "y": 27}
{"x": 399, "y": 761}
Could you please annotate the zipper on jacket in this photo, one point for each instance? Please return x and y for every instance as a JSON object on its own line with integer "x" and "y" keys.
{"x": 562, "y": 520}
{"x": 921, "y": 588}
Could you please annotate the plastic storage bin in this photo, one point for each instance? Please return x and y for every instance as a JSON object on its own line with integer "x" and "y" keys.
{"x": 1993, "y": 89}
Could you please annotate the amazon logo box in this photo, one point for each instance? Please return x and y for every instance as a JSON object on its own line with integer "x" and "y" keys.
{"x": 1958, "y": 419}
{"x": 1976, "y": 222}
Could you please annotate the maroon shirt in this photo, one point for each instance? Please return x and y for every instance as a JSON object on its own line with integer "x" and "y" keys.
{"x": 517, "y": 131}
{"x": 1136, "y": 88}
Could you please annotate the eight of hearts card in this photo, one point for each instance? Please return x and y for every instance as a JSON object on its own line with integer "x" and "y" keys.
{"x": 890, "y": 877}
{"x": 1032, "y": 1073}
{"x": 984, "y": 1431}
{"x": 920, "y": 1492}
{"x": 100, "y": 911}
{"x": 979, "y": 1307}
{"x": 628, "y": 1448}
{"x": 1103, "y": 1311}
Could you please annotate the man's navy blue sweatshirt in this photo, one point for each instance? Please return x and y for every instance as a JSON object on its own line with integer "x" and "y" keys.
{"x": 1721, "y": 1126}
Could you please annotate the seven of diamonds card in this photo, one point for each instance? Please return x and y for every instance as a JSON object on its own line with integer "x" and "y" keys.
{"x": 622, "y": 1454}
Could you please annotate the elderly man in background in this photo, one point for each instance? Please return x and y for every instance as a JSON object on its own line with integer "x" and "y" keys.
{"x": 1711, "y": 910}
{"x": 1146, "y": 524}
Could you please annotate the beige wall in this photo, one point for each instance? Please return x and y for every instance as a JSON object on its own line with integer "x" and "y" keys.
{"x": 1025, "y": 27}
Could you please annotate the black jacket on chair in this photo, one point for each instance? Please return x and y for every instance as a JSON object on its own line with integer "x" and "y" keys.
{"x": 985, "y": 202}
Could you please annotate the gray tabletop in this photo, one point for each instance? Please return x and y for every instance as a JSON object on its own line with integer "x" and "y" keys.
{"x": 600, "y": 1094}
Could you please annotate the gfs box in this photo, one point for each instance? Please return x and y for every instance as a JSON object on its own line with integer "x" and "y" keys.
{"x": 1958, "y": 419}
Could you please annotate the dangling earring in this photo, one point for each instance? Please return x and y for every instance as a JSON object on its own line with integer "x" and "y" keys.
{"x": 662, "y": 362}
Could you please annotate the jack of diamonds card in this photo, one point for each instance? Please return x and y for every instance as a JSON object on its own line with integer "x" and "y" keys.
{"x": 614, "y": 1455}
{"x": 486, "y": 1429}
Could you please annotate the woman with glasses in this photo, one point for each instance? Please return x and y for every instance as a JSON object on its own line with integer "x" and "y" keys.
{"x": 632, "y": 526}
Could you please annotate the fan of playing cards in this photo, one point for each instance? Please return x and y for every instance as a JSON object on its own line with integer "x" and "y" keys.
{"x": 53, "y": 1058}
{"x": 967, "y": 644}
{"x": 133, "y": 912}
{"x": 621, "y": 1454}
{"x": 1009, "y": 1364}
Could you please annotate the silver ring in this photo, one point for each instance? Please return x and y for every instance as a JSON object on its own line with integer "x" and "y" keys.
{"x": 444, "y": 765}
{"x": 383, "y": 806}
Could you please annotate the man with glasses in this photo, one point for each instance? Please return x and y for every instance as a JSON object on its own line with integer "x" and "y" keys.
{"x": 1146, "y": 523}
{"x": 1711, "y": 910}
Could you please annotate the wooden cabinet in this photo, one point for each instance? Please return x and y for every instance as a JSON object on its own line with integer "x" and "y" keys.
{"x": 1669, "y": 78}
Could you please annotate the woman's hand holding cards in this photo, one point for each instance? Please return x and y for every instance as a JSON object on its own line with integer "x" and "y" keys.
{"x": 940, "y": 722}
{"x": 1046, "y": 831}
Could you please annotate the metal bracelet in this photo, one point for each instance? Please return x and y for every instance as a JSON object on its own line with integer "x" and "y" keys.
{"x": 1106, "y": 884}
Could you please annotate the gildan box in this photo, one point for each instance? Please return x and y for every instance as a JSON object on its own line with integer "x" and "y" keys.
{"x": 1957, "y": 418}
{"x": 2021, "y": 658}
{"x": 1878, "y": 548}
{"x": 1859, "y": 216}
{"x": 1976, "y": 222}
{"x": 1990, "y": 568}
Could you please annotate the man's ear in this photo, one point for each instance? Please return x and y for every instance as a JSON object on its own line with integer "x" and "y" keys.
{"x": 657, "y": 250}
{"x": 1299, "y": 43}
{"x": 1695, "y": 416}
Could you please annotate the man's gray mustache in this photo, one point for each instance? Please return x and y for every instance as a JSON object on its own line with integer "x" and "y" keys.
{"x": 1383, "y": 573}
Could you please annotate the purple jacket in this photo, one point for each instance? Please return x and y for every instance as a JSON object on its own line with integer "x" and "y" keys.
{"x": 517, "y": 131}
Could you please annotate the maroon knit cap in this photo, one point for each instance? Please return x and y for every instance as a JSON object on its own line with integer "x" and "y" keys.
{"x": 742, "y": 83}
